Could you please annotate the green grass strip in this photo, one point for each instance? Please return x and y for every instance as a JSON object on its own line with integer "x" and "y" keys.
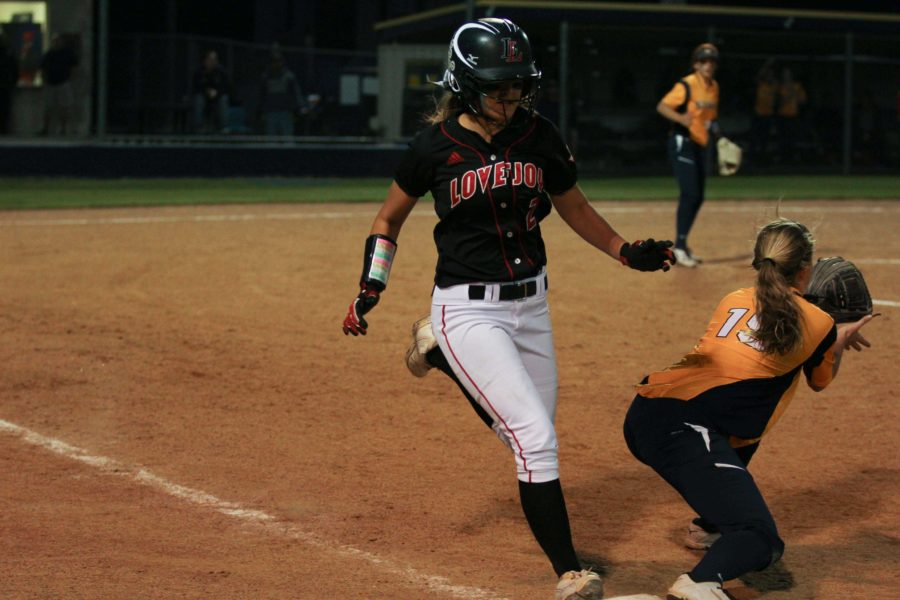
{"x": 23, "y": 194}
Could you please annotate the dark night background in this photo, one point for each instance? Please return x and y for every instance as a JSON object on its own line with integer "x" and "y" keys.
{"x": 336, "y": 24}
{"x": 323, "y": 24}
{"x": 157, "y": 44}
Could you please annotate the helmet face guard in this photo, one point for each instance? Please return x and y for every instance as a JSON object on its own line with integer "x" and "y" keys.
{"x": 486, "y": 53}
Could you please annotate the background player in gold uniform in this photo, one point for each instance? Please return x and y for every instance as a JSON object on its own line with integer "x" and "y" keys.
{"x": 692, "y": 105}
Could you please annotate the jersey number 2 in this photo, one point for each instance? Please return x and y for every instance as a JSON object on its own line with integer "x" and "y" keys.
{"x": 530, "y": 221}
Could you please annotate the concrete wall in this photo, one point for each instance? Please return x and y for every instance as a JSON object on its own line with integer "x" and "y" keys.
{"x": 393, "y": 60}
{"x": 68, "y": 17}
{"x": 86, "y": 158}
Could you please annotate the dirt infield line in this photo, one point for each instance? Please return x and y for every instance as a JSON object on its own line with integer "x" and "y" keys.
{"x": 268, "y": 523}
{"x": 368, "y": 213}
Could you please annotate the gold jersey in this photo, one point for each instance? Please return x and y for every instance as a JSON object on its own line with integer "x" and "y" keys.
{"x": 743, "y": 390}
{"x": 703, "y": 104}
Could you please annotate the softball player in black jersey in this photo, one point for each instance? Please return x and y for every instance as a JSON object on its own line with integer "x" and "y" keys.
{"x": 495, "y": 169}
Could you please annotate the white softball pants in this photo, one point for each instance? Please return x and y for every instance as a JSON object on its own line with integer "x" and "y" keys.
{"x": 502, "y": 352}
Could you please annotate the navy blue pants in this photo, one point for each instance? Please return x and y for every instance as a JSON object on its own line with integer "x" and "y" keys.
{"x": 689, "y": 164}
{"x": 677, "y": 442}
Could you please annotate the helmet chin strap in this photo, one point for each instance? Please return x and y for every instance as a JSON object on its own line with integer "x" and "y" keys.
{"x": 481, "y": 115}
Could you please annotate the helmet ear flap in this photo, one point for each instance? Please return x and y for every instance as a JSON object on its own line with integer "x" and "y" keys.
{"x": 450, "y": 82}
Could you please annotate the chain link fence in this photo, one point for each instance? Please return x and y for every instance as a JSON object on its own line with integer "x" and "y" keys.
{"x": 150, "y": 85}
{"x": 849, "y": 120}
{"x": 850, "y": 114}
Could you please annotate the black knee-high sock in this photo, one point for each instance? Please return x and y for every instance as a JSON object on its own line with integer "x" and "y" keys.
{"x": 545, "y": 511}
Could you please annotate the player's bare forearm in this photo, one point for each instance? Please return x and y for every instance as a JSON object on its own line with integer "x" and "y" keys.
{"x": 393, "y": 213}
{"x": 848, "y": 338}
{"x": 578, "y": 214}
{"x": 673, "y": 115}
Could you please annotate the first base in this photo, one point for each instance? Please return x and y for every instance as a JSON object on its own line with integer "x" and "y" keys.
{"x": 636, "y": 597}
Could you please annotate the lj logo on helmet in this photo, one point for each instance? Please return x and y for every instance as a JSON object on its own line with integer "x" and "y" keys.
{"x": 511, "y": 52}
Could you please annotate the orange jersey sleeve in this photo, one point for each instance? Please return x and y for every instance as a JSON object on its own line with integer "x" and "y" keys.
{"x": 703, "y": 105}
{"x": 743, "y": 389}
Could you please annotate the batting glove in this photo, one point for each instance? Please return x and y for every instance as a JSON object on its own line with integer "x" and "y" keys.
{"x": 354, "y": 323}
{"x": 647, "y": 255}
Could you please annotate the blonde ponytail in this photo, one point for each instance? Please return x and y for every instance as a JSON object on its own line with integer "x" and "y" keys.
{"x": 446, "y": 107}
{"x": 783, "y": 248}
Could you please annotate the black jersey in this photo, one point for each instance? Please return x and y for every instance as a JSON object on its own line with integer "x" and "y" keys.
{"x": 489, "y": 197}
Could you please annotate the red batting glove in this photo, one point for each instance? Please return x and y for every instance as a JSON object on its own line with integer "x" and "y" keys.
{"x": 354, "y": 323}
{"x": 650, "y": 255}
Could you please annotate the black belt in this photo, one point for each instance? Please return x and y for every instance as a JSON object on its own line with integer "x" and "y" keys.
{"x": 508, "y": 291}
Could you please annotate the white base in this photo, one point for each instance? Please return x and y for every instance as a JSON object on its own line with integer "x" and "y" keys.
{"x": 636, "y": 597}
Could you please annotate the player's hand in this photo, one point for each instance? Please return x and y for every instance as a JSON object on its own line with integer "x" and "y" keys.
{"x": 648, "y": 255}
{"x": 849, "y": 337}
{"x": 687, "y": 119}
{"x": 354, "y": 323}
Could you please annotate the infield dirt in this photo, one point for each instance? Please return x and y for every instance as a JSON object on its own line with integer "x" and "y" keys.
{"x": 203, "y": 345}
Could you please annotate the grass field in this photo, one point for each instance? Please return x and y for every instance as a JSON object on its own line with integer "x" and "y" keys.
{"x": 19, "y": 194}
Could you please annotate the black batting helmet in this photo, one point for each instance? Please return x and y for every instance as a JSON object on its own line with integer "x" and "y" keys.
{"x": 485, "y": 52}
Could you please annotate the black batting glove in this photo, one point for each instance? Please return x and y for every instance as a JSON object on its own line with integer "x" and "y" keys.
{"x": 354, "y": 323}
{"x": 648, "y": 255}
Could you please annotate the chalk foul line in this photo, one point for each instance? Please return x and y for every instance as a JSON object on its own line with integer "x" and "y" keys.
{"x": 268, "y": 523}
{"x": 367, "y": 212}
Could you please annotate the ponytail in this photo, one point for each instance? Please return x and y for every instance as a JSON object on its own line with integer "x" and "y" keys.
{"x": 783, "y": 249}
{"x": 446, "y": 107}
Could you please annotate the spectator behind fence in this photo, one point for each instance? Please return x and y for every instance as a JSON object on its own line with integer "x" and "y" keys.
{"x": 791, "y": 95}
{"x": 763, "y": 111}
{"x": 872, "y": 129}
{"x": 9, "y": 76}
{"x": 280, "y": 99}
{"x": 56, "y": 69}
{"x": 29, "y": 59}
{"x": 210, "y": 89}
{"x": 314, "y": 122}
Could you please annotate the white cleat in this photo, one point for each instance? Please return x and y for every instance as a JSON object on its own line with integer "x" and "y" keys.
{"x": 686, "y": 588}
{"x": 579, "y": 585}
{"x": 684, "y": 259}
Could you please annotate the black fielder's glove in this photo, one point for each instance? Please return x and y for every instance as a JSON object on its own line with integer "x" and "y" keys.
{"x": 354, "y": 323}
{"x": 648, "y": 255}
{"x": 837, "y": 287}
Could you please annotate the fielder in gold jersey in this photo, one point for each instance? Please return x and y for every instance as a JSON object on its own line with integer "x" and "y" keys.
{"x": 698, "y": 422}
{"x": 692, "y": 105}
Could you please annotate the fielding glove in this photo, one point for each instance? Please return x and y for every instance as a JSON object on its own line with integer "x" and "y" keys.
{"x": 837, "y": 287}
{"x": 730, "y": 156}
